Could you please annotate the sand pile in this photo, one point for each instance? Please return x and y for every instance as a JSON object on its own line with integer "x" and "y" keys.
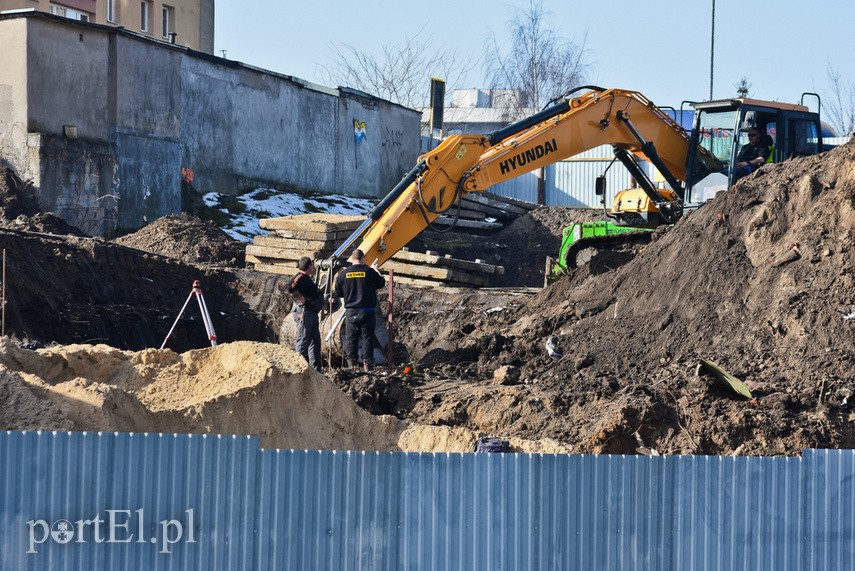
{"x": 234, "y": 388}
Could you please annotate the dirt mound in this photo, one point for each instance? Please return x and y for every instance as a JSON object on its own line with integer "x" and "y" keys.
{"x": 189, "y": 239}
{"x": 759, "y": 281}
{"x": 19, "y": 209}
{"x": 85, "y": 290}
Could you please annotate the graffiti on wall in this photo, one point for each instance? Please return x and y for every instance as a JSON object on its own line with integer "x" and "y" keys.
{"x": 358, "y": 131}
{"x": 359, "y": 135}
{"x": 393, "y": 138}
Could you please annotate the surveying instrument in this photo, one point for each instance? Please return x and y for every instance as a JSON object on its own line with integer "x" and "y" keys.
{"x": 203, "y": 308}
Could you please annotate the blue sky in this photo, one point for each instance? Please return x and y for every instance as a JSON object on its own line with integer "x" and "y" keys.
{"x": 658, "y": 47}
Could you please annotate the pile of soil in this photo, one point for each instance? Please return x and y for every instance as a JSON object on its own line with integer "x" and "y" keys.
{"x": 190, "y": 239}
{"x": 759, "y": 281}
{"x": 19, "y": 208}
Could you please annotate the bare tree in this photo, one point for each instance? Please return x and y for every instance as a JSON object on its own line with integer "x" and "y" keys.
{"x": 841, "y": 107}
{"x": 743, "y": 88}
{"x": 540, "y": 65}
{"x": 401, "y": 73}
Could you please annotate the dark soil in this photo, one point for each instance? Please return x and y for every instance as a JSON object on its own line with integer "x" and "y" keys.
{"x": 189, "y": 239}
{"x": 760, "y": 281}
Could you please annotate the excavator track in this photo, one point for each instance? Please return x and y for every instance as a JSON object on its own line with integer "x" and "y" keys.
{"x": 600, "y": 243}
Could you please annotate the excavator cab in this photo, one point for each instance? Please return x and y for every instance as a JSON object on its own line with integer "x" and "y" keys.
{"x": 721, "y": 129}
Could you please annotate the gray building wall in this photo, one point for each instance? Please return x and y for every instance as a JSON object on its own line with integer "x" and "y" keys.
{"x": 147, "y": 113}
{"x": 13, "y": 95}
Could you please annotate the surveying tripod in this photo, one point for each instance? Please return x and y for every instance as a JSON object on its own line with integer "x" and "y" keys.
{"x": 206, "y": 318}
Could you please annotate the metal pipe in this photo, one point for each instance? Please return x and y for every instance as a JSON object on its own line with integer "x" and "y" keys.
{"x": 4, "y": 294}
{"x": 390, "y": 361}
{"x": 500, "y": 135}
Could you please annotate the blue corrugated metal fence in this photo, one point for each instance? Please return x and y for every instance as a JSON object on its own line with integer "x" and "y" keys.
{"x": 151, "y": 501}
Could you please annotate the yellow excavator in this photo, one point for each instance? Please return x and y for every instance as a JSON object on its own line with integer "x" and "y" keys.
{"x": 693, "y": 165}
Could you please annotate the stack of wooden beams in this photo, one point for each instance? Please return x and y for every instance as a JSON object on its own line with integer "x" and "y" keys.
{"x": 292, "y": 237}
{"x": 487, "y": 211}
{"x": 320, "y": 235}
{"x": 430, "y": 269}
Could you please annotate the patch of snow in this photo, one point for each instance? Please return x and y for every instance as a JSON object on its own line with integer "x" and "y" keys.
{"x": 266, "y": 203}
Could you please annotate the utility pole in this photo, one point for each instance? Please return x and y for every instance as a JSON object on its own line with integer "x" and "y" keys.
{"x": 712, "y": 48}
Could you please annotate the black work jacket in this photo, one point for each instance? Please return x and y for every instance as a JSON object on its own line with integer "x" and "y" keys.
{"x": 358, "y": 285}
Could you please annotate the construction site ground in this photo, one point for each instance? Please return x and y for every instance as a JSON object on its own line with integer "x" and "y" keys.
{"x": 759, "y": 280}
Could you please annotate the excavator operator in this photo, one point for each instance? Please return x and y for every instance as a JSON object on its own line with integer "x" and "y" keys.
{"x": 754, "y": 153}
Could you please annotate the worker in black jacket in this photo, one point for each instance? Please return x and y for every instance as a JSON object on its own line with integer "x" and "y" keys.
{"x": 358, "y": 285}
{"x": 308, "y": 301}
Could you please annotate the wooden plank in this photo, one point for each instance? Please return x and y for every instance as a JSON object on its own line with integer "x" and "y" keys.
{"x": 468, "y": 214}
{"x": 443, "y": 274}
{"x": 295, "y": 243}
{"x": 427, "y": 284}
{"x": 491, "y": 211}
{"x": 339, "y": 236}
{"x": 313, "y": 222}
{"x": 261, "y": 260}
{"x": 434, "y": 259}
{"x": 470, "y": 224}
{"x": 512, "y": 201}
{"x": 512, "y": 209}
{"x": 274, "y": 268}
{"x": 282, "y": 253}
{"x": 416, "y": 282}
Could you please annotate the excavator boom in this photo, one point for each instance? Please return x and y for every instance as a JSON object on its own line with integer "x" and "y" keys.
{"x": 473, "y": 163}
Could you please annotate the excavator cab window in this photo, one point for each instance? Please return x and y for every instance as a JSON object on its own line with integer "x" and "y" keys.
{"x": 716, "y": 130}
{"x": 803, "y": 138}
{"x": 749, "y": 120}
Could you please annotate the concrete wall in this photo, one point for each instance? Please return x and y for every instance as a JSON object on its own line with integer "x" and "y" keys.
{"x": 13, "y": 97}
{"x": 146, "y": 114}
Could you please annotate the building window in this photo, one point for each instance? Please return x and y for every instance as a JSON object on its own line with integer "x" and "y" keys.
{"x": 69, "y": 13}
{"x": 111, "y": 10}
{"x": 168, "y": 21}
{"x": 144, "y": 16}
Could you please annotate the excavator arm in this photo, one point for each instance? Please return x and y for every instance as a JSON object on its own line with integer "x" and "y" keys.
{"x": 473, "y": 163}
